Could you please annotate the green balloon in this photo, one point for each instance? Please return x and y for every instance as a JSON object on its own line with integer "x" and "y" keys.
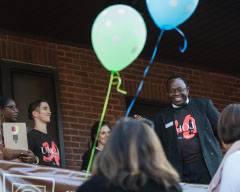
{"x": 118, "y": 36}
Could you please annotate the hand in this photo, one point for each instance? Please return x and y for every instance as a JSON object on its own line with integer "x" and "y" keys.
{"x": 137, "y": 117}
{"x": 28, "y": 157}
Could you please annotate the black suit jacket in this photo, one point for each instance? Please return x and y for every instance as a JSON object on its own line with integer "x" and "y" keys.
{"x": 206, "y": 117}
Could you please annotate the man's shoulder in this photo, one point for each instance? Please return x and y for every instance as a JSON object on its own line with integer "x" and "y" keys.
{"x": 32, "y": 132}
{"x": 164, "y": 110}
{"x": 38, "y": 133}
{"x": 200, "y": 101}
{"x": 196, "y": 99}
{"x": 88, "y": 152}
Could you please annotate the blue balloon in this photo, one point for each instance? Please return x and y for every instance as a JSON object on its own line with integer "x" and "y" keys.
{"x": 168, "y": 14}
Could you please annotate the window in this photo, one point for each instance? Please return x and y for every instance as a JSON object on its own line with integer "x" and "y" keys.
{"x": 26, "y": 83}
{"x": 144, "y": 107}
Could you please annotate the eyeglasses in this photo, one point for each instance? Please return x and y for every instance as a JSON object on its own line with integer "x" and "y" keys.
{"x": 13, "y": 107}
{"x": 178, "y": 90}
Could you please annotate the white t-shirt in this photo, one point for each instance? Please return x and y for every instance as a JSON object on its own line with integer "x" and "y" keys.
{"x": 230, "y": 181}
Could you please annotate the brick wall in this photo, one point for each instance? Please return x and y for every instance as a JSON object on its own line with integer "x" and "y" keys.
{"x": 84, "y": 82}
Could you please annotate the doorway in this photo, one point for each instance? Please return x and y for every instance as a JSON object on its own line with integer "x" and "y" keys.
{"x": 26, "y": 83}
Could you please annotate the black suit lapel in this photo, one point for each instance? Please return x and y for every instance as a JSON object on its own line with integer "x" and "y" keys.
{"x": 199, "y": 116}
{"x": 169, "y": 127}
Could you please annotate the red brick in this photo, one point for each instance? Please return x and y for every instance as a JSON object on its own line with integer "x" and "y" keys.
{"x": 72, "y": 66}
{"x": 78, "y": 126}
{"x": 86, "y": 57}
{"x": 33, "y": 42}
{"x": 71, "y": 55}
{"x": 63, "y": 47}
{"x": 68, "y": 150}
{"x": 68, "y": 107}
{"x": 83, "y": 85}
{"x": 65, "y": 59}
{"x": 91, "y": 116}
{"x": 70, "y": 132}
{"x": 79, "y": 50}
{"x": 71, "y": 144}
{"x": 80, "y": 151}
{"x": 81, "y": 73}
{"x": 83, "y": 108}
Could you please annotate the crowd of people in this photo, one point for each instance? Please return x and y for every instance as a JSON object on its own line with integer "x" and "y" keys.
{"x": 190, "y": 131}
{"x": 181, "y": 145}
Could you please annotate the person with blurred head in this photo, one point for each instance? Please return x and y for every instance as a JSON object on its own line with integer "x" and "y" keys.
{"x": 102, "y": 139}
{"x": 132, "y": 160}
{"x": 42, "y": 145}
{"x": 8, "y": 114}
{"x": 228, "y": 173}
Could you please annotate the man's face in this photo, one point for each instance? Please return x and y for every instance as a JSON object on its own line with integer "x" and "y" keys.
{"x": 177, "y": 91}
{"x": 44, "y": 113}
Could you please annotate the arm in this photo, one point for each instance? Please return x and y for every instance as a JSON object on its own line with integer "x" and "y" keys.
{"x": 29, "y": 157}
{"x": 86, "y": 158}
{"x": 158, "y": 126}
{"x": 9, "y": 154}
{"x": 25, "y": 156}
{"x": 213, "y": 115}
{"x": 230, "y": 173}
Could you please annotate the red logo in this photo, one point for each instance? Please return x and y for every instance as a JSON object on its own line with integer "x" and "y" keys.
{"x": 188, "y": 128}
{"x": 53, "y": 150}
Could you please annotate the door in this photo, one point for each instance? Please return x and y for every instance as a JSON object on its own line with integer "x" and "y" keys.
{"x": 25, "y": 83}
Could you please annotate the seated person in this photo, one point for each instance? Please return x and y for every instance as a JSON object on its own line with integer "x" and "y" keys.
{"x": 102, "y": 139}
{"x": 132, "y": 160}
{"x": 9, "y": 113}
{"x": 42, "y": 145}
{"x": 228, "y": 173}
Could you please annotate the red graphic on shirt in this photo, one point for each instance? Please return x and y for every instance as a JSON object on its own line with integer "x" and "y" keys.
{"x": 188, "y": 128}
{"x": 53, "y": 151}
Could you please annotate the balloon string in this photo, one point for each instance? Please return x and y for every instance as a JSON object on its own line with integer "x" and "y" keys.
{"x": 99, "y": 126}
{"x": 118, "y": 83}
{"x": 182, "y": 49}
{"x": 144, "y": 74}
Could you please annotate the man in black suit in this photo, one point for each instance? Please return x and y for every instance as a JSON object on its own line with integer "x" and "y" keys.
{"x": 188, "y": 132}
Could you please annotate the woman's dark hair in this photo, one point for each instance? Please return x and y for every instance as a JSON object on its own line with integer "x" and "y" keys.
{"x": 132, "y": 155}
{"x": 4, "y": 101}
{"x": 95, "y": 128}
{"x": 33, "y": 107}
{"x": 229, "y": 124}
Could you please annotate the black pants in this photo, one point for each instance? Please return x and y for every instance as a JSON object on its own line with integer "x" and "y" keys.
{"x": 196, "y": 172}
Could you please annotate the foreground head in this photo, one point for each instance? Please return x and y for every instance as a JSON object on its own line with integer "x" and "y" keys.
{"x": 8, "y": 110}
{"x": 132, "y": 154}
{"x": 229, "y": 124}
{"x": 103, "y": 133}
{"x": 177, "y": 90}
{"x": 39, "y": 110}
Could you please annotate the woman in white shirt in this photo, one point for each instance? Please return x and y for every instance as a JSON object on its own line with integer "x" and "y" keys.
{"x": 227, "y": 178}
